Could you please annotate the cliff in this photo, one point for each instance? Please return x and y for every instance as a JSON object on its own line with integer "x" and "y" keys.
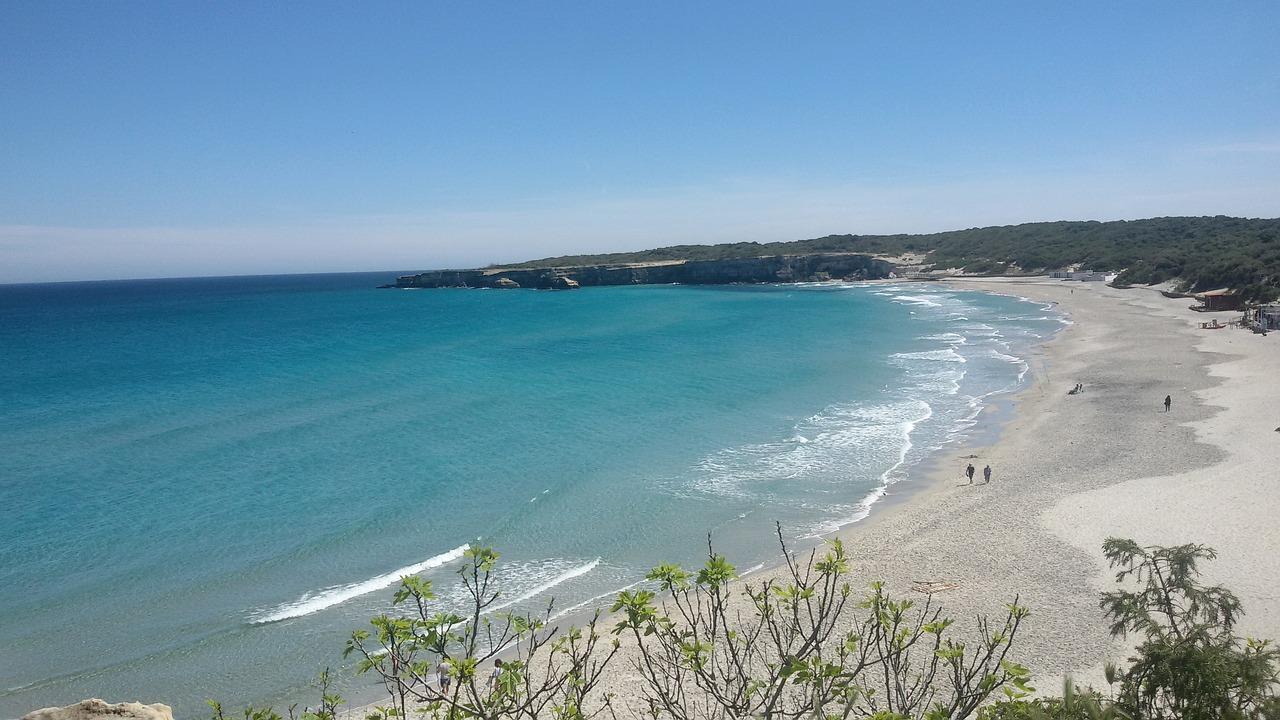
{"x": 774, "y": 268}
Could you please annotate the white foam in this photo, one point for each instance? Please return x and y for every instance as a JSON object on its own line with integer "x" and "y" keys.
{"x": 887, "y": 478}
{"x": 1006, "y": 357}
{"x": 561, "y": 578}
{"x": 327, "y": 598}
{"x": 601, "y": 596}
{"x": 950, "y": 338}
{"x": 922, "y": 300}
{"x": 837, "y": 436}
{"x": 945, "y": 355}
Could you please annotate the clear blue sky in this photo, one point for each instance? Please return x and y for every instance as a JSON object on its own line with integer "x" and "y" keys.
{"x": 151, "y": 139}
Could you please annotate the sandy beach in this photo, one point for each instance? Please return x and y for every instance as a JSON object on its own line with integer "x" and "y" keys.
{"x": 1072, "y": 470}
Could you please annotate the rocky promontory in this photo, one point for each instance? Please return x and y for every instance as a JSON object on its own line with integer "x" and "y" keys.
{"x": 768, "y": 269}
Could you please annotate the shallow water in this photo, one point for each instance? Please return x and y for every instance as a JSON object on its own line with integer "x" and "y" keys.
{"x": 208, "y": 483}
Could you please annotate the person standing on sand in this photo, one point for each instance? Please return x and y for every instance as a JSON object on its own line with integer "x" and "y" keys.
{"x": 495, "y": 676}
{"x": 986, "y": 475}
{"x": 1168, "y": 400}
{"x": 442, "y": 677}
{"x": 969, "y": 471}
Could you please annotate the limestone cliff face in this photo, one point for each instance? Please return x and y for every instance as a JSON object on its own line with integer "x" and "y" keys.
{"x": 96, "y": 709}
{"x": 776, "y": 268}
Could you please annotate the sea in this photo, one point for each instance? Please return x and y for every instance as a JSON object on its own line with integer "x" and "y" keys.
{"x": 207, "y": 484}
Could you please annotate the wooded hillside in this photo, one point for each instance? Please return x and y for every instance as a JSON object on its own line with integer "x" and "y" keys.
{"x": 1202, "y": 252}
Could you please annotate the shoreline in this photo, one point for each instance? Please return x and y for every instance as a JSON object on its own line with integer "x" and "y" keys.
{"x": 996, "y": 412}
{"x": 995, "y": 415}
{"x": 1072, "y": 470}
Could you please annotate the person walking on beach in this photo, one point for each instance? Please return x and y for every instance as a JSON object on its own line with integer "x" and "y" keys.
{"x": 442, "y": 677}
{"x": 986, "y": 475}
{"x": 494, "y": 676}
{"x": 969, "y": 471}
{"x": 1168, "y": 400}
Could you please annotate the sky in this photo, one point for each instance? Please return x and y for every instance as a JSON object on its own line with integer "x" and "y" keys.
{"x": 148, "y": 139}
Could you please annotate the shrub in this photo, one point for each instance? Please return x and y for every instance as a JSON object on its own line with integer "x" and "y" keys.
{"x": 1190, "y": 664}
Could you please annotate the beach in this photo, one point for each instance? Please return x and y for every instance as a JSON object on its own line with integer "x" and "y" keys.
{"x": 1071, "y": 470}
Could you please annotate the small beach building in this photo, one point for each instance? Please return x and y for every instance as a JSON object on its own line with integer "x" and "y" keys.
{"x": 1081, "y": 275}
{"x": 1269, "y": 317}
{"x": 1217, "y": 301}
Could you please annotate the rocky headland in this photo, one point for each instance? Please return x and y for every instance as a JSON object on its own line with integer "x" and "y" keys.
{"x": 767, "y": 269}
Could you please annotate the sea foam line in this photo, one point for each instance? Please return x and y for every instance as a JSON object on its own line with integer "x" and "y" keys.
{"x": 327, "y": 598}
{"x": 601, "y": 596}
{"x": 887, "y": 478}
{"x": 562, "y": 577}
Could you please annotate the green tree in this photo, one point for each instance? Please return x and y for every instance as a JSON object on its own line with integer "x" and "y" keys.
{"x": 805, "y": 646}
{"x": 545, "y": 672}
{"x": 1189, "y": 664}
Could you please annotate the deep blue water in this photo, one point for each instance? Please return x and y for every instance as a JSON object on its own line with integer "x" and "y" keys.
{"x": 207, "y": 483}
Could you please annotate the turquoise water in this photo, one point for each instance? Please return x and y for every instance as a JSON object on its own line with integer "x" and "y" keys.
{"x": 208, "y": 483}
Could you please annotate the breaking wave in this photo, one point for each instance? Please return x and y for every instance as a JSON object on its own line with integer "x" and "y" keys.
{"x": 327, "y": 598}
{"x": 539, "y": 589}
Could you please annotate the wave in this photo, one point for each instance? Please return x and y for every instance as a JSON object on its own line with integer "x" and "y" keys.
{"x": 945, "y": 355}
{"x": 1006, "y": 357}
{"x": 561, "y": 578}
{"x": 327, "y": 598}
{"x": 922, "y": 300}
{"x": 890, "y": 476}
{"x": 949, "y": 338}
{"x": 590, "y": 600}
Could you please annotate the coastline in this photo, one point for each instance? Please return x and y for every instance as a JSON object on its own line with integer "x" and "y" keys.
{"x": 1070, "y": 471}
{"x": 1073, "y": 470}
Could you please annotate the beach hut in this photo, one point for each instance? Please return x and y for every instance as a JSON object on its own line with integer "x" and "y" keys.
{"x": 1269, "y": 317}
{"x": 1081, "y": 275}
{"x": 1217, "y": 301}
{"x": 1089, "y": 276}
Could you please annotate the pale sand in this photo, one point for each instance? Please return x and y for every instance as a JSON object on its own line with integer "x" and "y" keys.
{"x": 1071, "y": 470}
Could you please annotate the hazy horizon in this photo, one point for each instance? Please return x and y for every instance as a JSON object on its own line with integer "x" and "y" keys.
{"x": 151, "y": 140}
{"x": 413, "y": 269}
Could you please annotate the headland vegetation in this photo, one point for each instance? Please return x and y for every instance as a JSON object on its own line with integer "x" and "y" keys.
{"x": 1195, "y": 253}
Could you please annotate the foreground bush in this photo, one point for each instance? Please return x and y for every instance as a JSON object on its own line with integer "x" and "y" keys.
{"x": 806, "y": 646}
{"x": 705, "y": 648}
{"x": 1190, "y": 664}
{"x": 801, "y": 650}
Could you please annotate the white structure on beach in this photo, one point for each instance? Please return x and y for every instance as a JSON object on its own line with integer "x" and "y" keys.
{"x": 1081, "y": 275}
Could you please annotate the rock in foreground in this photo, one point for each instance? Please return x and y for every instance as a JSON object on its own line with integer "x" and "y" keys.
{"x": 96, "y": 709}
